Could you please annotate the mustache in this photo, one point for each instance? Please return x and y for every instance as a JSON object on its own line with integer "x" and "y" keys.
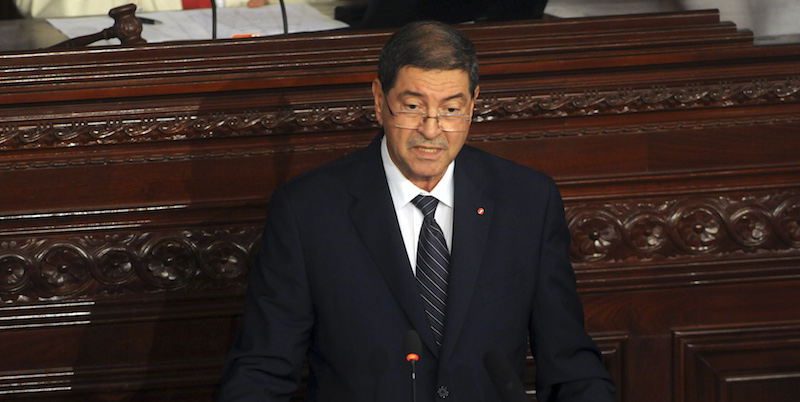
{"x": 438, "y": 142}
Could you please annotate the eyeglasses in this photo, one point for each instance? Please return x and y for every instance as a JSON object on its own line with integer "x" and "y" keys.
{"x": 413, "y": 120}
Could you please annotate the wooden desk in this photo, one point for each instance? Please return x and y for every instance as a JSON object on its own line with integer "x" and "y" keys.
{"x": 21, "y": 35}
{"x": 134, "y": 182}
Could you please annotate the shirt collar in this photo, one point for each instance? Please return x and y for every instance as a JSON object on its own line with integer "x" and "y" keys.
{"x": 403, "y": 190}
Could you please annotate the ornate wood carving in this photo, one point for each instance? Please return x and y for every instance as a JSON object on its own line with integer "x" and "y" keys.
{"x": 719, "y": 227}
{"x": 95, "y": 264}
{"x": 636, "y": 100}
{"x": 493, "y": 107}
{"x": 619, "y": 234}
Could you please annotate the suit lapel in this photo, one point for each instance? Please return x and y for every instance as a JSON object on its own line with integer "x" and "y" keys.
{"x": 375, "y": 220}
{"x": 472, "y": 217}
{"x": 374, "y": 217}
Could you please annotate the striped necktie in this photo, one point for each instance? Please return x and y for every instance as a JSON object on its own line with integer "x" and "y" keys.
{"x": 433, "y": 261}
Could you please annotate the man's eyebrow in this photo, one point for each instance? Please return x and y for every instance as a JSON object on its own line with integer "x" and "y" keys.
{"x": 407, "y": 92}
{"x": 456, "y": 96}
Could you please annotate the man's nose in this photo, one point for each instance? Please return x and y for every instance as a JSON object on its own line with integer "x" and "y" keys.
{"x": 430, "y": 127}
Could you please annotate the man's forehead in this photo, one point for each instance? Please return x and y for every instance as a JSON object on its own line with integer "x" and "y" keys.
{"x": 412, "y": 69}
{"x": 454, "y": 81}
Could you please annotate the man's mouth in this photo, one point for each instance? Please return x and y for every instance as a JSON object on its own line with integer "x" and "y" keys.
{"x": 428, "y": 150}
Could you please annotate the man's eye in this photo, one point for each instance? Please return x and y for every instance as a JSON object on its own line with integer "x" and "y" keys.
{"x": 452, "y": 110}
{"x": 412, "y": 107}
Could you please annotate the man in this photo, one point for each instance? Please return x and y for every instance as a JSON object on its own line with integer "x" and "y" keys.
{"x": 347, "y": 258}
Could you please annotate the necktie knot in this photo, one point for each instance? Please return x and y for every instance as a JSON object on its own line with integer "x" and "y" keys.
{"x": 427, "y": 204}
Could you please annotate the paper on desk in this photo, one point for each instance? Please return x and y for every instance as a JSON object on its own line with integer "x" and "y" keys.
{"x": 196, "y": 24}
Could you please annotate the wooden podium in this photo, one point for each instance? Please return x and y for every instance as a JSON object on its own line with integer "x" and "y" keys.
{"x": 134, "y": 183}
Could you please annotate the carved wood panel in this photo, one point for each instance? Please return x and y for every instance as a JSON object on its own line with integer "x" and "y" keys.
{"x": 758, "y": 362}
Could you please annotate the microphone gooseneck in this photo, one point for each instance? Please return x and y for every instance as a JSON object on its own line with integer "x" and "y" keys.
{"x": 285, "y": 20}
{"x": 213, "y": 19}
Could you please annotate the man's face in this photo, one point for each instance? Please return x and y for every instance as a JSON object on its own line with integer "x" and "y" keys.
{"x": 423, "y": 154}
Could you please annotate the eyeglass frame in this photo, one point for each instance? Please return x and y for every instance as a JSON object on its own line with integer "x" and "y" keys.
{"x": 425, "y": 117}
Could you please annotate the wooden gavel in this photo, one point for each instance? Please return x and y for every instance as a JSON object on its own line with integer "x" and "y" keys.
{"x": 127, "y": 28}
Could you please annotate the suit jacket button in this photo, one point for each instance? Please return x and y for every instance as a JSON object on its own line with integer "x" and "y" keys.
{"x": 443, "y": 392}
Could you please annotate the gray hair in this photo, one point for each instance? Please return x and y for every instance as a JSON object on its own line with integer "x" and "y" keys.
{"x": 429, "y": 45}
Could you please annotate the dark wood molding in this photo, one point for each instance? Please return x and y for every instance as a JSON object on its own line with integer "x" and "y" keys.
{"x": 134, "y": 182}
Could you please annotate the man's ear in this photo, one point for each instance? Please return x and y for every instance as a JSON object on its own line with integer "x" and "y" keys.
{"x": 377, "y": 95}
{"x": 474, "y": 97}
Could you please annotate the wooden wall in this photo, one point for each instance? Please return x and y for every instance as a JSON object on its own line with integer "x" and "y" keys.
{"x": 134, "y": 182}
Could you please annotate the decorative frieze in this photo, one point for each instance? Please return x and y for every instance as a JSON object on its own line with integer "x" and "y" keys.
{"x": 359, "y": 114}
{"x": 604, "y": 234}
{"x": 90, "y": 265}
{"x": 674, "y": 229}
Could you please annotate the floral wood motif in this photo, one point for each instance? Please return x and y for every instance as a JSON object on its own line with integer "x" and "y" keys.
{"x": 684, "y": 228}
{"x": 218, "y": 125}
{"x": 362, "y": 116}
{"x": 174, "y": 260}
{"x": 629, "y": 100}
{"x": 33, "y": 269}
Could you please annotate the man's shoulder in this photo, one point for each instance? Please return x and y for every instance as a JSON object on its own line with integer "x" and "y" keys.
{"x": 499, "y": 168}
{"x": 339, "y": 172}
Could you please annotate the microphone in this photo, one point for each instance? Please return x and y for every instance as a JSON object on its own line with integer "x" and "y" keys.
{"x": 412, "y": 346}
{"x": 503, "y": 377}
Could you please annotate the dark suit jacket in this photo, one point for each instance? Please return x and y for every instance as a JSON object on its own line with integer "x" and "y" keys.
{"x": 332, "y": 281}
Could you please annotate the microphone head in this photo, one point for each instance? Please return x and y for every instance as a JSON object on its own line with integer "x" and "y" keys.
{"x": 503, "y": 377}
{"x": 412, "y": 345}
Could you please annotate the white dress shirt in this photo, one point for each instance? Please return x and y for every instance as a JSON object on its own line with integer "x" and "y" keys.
{"x": 408, "y": 215}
